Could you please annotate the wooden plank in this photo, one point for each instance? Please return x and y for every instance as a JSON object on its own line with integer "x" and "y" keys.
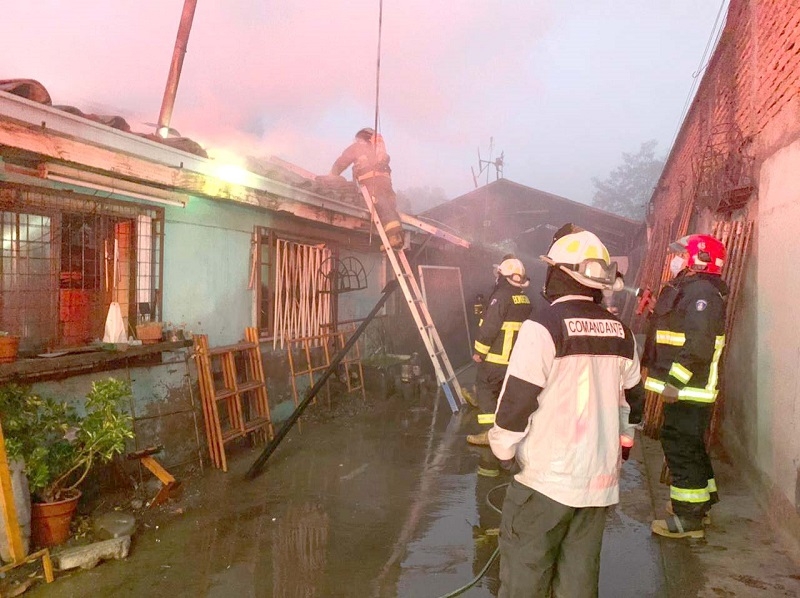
{"x": 42, "y": 366}
{"x": 251, "y": 334}
{"x": 155, "y": 467}
{"x": 211, "y": 417}
{"x": 230, "y": 348}
{"x": 204, "y": 393}
{"x": 13, "y": 532}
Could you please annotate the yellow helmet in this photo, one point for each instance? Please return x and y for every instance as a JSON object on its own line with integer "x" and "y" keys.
{"x": 584, "y": 257}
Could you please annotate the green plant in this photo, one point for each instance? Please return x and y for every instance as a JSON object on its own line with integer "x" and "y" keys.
{"x": 60, "y": 445}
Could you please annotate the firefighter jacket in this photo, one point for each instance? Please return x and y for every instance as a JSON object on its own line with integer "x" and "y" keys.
{"x": 686, "y": 336}
{"x": 507, "y": 309}
{"x": 366, "y": 161}
{"x": 562, "y": 411}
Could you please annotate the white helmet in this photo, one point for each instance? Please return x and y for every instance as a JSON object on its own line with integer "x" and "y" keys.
{"x": 584, "y": 257}
{"x": 514, "y": 272}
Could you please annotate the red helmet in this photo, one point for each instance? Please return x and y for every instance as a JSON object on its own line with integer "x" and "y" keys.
{"x": 704, "y": 253}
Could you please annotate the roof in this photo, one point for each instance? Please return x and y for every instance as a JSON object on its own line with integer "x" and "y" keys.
{"x": 49, "y": 147}
{"x": 505, "y": 210}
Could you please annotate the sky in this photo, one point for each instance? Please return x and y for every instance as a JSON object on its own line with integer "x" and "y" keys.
{"x": 561, "y": 87}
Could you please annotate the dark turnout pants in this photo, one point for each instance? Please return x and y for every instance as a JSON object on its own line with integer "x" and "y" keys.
{"x": 488, "y": 384}
{"x": 692, "y": 487}
{"x": 548, "y": 549}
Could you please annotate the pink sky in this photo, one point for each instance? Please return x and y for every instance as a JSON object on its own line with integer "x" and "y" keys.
{"x": 297, "y": 79}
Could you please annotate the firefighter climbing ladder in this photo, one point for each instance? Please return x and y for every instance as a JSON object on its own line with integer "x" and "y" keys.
{"x": 445, "y": 376}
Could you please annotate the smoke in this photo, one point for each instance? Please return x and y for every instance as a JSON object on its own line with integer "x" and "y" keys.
{"x": 294, "y": 79}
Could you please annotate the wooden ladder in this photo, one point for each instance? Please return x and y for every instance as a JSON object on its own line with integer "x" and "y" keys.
{"x": 445, "y": 376}
{"x": 241, "y": 399}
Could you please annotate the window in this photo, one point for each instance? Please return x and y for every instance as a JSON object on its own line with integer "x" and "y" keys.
{"x": 66, "y": 258}
{"x": 292, "y": 286}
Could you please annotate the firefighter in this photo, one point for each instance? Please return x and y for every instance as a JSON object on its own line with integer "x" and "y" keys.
{"x": 685, "y": 339}
{"x": 571, "y": 393}
{"x": 507, "y": 308}
{"x": 371, "y": 169}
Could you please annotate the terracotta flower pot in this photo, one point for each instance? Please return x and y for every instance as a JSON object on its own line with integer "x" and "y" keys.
{"x": 9, "y": 346}
{"x": 50, "y": 521}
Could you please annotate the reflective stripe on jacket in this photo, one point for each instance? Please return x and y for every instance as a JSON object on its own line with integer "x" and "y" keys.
{"x": 562, "y": 409}
{"x": 508, "y": 307}
{"x": 686, "y": 337}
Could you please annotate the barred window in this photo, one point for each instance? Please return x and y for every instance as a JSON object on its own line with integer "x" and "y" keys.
{"x": 66, "y": 257}
{"x": 292, "y": 282}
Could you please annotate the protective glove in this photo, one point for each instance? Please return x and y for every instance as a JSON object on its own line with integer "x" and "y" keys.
{"x": 626, "y": 444}
{"x": 670, "y": 394}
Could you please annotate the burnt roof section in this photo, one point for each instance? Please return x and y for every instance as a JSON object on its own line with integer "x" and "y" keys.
{"x": 504, "y": 210}
{"x": 30, "y": 89}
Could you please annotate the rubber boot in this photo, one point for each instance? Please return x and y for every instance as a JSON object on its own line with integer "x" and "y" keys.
{"x": 706, "y": 517}
{"x": 469, "y": 397}
{"x": 489, "y": 466}
{"x": 678, "y": 527}
{"x": 480, "y": 439}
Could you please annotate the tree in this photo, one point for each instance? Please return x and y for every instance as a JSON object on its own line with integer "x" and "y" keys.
{"x": 628, "y": 188}
{"x": 418, "y": 199}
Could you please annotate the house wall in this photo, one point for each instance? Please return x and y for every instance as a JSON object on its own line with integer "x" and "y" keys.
{"x": 772, "y": 430}
{"x": 751, "y": 82}
{"x": 207, "y": 253}
{"x": 207, "y": 267}
{"x": 165, "y": 408}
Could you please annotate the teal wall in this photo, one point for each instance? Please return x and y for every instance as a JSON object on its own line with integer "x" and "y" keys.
{"x": 207, "y": 268}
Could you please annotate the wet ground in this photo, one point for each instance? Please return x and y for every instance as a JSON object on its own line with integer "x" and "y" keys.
{"x": 376, "y": 498}
{"x": 380, "y": 498}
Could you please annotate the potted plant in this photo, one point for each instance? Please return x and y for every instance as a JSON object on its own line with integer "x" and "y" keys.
{"x": 9, "y": 347}
{"x": 60, "y": 445}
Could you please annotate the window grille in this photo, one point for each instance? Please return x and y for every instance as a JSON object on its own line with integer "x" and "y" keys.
{"x": 66, "y": 257}
{"x": 292, "y": 287}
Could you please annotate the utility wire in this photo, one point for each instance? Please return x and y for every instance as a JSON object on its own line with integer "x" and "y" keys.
{"x": 713, "y": 40}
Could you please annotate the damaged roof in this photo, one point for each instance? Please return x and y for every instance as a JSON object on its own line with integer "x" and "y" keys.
{"x": 40, "y": 142}
{"x": 505, "y": 210}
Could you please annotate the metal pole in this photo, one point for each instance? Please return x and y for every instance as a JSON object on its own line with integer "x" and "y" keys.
{"x": 258, "y": 464}
{"x": 171, "y": 90}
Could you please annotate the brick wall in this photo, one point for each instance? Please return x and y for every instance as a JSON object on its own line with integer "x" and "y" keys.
{"x": 745, "y": 118}
{"x": 747, "y": 89}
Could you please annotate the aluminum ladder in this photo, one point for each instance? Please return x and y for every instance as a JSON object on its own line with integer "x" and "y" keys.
{"x": 445, "y": 376}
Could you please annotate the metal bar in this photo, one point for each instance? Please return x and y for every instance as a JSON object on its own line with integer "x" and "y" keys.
{"x": 174, "y": 77}
{"x": 258, "y": 464}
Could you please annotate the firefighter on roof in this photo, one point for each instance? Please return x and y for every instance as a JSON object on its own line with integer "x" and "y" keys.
{"x": 371, "y": 169}
{"x": 571, "y": 392}
{"x": 507, "y": 308}
{"x": 684, "y": 344}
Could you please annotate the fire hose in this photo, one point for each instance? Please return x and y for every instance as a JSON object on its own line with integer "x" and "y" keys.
{"x": 492, "y": 559}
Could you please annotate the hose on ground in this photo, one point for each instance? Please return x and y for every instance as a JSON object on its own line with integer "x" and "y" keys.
{"x": 492, "y": 559}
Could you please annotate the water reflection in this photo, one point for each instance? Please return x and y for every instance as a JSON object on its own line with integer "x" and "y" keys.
{"x": 299, "y": 551}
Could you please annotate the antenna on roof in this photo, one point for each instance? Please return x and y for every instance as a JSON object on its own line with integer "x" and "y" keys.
{"x": 484, "y": 165}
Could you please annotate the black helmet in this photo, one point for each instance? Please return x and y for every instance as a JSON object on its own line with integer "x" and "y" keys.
{"x": 366, "y": 134}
